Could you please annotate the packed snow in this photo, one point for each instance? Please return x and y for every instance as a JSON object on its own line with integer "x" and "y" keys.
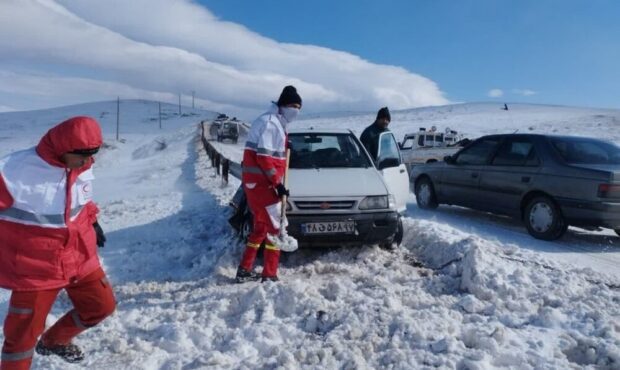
{"x": 466, "y": 290}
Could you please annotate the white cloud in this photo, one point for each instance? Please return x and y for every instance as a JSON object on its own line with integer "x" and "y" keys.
{"x": 166, "y": 46}
{"x": 49, "y": 91}
{"x": 496, "y": 93}
{"x": 524, "y": 92}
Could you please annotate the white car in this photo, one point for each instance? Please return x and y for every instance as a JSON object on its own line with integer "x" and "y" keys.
{"x": 339, "y": 196}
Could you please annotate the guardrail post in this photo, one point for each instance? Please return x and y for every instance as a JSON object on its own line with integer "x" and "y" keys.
{"x": 225, "y": 169}
{"x": 217, "y": 162}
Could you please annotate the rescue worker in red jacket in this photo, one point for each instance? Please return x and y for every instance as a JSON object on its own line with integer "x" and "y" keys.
{"x": 48, "y": 242}
{"x": 264, "y": 162}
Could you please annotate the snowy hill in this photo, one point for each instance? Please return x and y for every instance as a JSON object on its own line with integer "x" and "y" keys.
{"x": 467, "y": 290}
{"x": 475, "y": 119}
{"x": 136, "y": 117}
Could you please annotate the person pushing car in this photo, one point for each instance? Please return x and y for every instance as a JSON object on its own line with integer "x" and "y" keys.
{"x": 48, "y": 242}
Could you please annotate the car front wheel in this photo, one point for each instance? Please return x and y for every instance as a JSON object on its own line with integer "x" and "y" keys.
{"x": 425, "y": 194}
{"x": 543, "y": 219}
{"x": 246, "y": 227}
{"x": 394, "y": 241}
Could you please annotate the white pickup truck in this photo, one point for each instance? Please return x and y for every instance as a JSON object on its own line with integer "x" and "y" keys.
{"x": 429, "y": 146}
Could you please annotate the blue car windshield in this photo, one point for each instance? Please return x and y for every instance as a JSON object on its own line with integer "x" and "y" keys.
{"x": 318, "y": 150}
{"x": 586, "y": 151}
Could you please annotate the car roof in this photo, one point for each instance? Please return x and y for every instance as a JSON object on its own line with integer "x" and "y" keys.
{"x": 551, "y": 136}
{"x": 312, "y": 130}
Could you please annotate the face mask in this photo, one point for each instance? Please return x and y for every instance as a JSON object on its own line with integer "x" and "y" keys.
{"x": 289, "y": 113}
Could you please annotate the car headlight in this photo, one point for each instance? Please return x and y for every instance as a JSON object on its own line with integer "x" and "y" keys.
{"x": 374, "y": 202}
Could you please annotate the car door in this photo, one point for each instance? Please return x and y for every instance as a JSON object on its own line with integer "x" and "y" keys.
{"x": 406, "y": 148}
{"x": 509, "y": 175}
{"x": 461, "y": 175}
{"x": 394, "y": 172}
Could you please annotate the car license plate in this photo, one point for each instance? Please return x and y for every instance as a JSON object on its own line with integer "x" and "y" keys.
{"x": 337, "y": 227}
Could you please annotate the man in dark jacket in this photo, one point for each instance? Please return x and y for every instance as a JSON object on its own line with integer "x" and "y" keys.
{"x": 370, "y": 136}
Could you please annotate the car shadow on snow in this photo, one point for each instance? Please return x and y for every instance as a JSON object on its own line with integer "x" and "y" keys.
{"x": 509, "y": 230}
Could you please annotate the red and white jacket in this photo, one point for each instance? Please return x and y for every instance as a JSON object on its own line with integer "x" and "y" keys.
{"x": 46, "y": 211}
{"x": 264, "y": 157}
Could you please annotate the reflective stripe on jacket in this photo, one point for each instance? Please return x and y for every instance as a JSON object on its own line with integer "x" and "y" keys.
{"x": 46, "y": 211}
{"x": 264, "y": 157}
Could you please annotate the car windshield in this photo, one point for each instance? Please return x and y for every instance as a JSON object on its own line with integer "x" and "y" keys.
{"x": 326, "y": 151}
{"x": 586, "y": 151}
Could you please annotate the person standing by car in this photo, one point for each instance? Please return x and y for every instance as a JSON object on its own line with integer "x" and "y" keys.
{"x": 264, "y": 162}
{"x": 370, "y": 135}
{"x": 48, "y": 242}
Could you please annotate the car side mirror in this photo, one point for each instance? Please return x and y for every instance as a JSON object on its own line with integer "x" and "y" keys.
{"x": 449, "y": 159}
{"x": 388, "y": 162}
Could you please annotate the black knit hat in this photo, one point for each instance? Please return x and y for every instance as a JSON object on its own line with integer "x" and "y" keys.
{"x": 289, "y": 96}
{"x": 384, "y": 113}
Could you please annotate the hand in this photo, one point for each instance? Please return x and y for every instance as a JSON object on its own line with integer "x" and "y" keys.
{"x": 100, "y": 235}
{"x": 282, "y": 191}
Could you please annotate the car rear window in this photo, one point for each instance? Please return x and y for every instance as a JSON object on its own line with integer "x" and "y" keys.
{"x": 586, "y": 151}
{"x": 315, "y": 150}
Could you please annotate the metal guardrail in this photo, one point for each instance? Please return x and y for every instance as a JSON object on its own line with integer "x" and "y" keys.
{"x": 223, "y": 166}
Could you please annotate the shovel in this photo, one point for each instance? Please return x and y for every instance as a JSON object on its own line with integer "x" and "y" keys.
{"x": 286, "y": 242}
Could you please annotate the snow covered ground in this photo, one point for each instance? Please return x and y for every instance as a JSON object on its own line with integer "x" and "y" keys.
{"x": 467, "y": 290}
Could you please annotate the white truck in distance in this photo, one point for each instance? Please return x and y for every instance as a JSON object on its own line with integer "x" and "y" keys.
{"x": 430, "y": 146}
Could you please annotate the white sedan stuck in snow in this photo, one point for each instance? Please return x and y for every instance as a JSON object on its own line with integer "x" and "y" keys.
{"x": 338, "y": 195}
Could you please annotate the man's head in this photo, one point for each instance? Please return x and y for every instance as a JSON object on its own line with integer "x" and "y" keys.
{"x": 71, "y": 143}
{"x": 383, "y": 117}
{"x": 289, "y": 103}
{"x": 78, "y": 158}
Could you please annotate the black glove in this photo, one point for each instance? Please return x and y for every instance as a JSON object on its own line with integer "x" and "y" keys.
{"x": 100, "y": 235}
{"x": 282, "y": 191}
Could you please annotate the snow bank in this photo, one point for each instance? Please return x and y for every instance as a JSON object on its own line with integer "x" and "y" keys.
{"x": 519, "y": 301}
{"x": 457, "y": 295}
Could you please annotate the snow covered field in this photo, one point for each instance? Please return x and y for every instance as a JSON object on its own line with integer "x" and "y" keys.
{"x": 467, "y": 290}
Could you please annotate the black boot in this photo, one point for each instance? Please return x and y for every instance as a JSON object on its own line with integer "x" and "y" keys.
{"x": 68, "y": 352}
{"x": 269, "y": 278}
{"x": 244, "y": 275}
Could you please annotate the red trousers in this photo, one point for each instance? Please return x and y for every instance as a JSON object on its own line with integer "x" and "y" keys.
{"x": 93, "y": 301}
{"x": 258, "y": 199}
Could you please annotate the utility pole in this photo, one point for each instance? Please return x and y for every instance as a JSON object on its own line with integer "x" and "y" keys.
{"x": 118, "y": 121}
{"x": 179, "y": 104}
{"x": 159, "y": 115}
{"x": 193, "y": 93}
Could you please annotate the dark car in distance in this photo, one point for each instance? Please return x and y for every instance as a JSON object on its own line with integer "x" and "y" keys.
{"x": 228, "y": 130}
{"x": 548, "y": 181}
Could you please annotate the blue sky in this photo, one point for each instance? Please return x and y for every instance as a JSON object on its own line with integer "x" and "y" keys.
{"x": 341, "y": 55}
{"x": 567, "y": 52}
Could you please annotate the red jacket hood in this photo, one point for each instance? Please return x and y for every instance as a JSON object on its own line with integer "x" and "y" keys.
{"x": 74, "y": 133}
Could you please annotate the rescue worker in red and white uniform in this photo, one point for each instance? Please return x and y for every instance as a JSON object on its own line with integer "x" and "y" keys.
{"x": 48, "y": 242}
{"x": 264, "y": 162}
